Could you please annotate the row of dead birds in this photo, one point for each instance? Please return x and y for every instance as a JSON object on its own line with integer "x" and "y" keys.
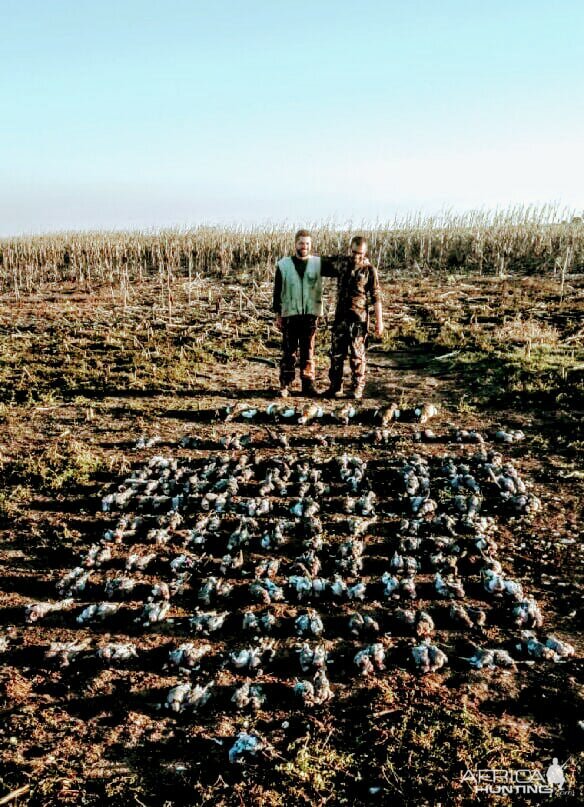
{"x": 312, "y": 412}
{"x": 380, "y": 435}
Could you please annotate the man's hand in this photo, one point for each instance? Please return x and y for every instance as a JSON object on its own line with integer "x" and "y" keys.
{"x": 378, "y": 330}
{"x": 279, "y": 323}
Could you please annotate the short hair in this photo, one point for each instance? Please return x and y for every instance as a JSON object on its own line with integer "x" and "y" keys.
{"x": 302, "y": 234}
{"x": 358, "y": 241}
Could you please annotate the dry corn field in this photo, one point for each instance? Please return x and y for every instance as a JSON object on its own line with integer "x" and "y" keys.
{"x": 210, "y": 595}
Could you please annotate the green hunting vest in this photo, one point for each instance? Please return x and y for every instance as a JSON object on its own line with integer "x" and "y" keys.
{"x": 301, "y": 295}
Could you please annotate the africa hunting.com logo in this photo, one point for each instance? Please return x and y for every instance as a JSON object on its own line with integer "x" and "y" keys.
{"x": 507, "y": 781}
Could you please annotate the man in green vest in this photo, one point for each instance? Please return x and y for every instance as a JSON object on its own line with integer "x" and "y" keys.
{"x": 298, "y": 305}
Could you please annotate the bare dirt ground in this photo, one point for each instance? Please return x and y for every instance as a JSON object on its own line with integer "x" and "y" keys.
{"x": 84, "y": 377}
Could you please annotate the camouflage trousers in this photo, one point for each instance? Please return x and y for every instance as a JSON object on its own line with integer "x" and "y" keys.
{"x": 348, "y": 339}
{"x": 298, "y": 339}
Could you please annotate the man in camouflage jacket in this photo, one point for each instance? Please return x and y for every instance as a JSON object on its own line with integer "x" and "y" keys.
{"x": 358, "y": 287}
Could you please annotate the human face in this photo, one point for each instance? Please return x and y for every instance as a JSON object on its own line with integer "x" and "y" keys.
{"x": 303, "y": 246}
{"x": 359, "y": 253}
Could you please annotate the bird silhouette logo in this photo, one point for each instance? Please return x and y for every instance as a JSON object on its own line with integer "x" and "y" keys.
{"x": 555, "y": 774}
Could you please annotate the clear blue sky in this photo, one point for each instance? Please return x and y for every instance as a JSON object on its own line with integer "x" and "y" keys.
{"x": 146, "y": 114}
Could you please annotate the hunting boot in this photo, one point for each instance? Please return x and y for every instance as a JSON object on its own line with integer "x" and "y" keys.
{"x": 308, "y": 387}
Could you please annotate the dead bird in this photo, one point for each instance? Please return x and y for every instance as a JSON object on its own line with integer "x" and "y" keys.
{"x": 359, "y": 525}
{"x": 124, "y": 528}
{"x": 316, "y": 692}
{"x": 242, "y": 534}
{"x": 188, "y": 654}
{"x": 274, "y": 537}
{"x": 248, "y": 695}
{"x": 404, "y": 563}
{"x": 356, "y": 480}
{"x": 310, "y": 413}
{"x": 344, "y": 414}
{"x": 309, "y": 623}
{"x": 307, "y": 564}
{"x": 180, "y": 584}
{"x": 115, "y": 586}
{"x": 390, "y": 584}
{"x": 525, "y": 504}
{"x": 428, "y": 657}
{"x": 448, "y": 586}
{"x": 526, "y": 614}
{"x": 360, "y": 624}
{"x": 214, "y": 588}
{"x": 234, "y": 442}
{"x": 267, "y": 568}
{"x": 533, "y": 647}
{"x": 117, "y": 651}
{"x": 244, "y": 744}
{"x": 406, "y": 616}
{"x": 66, "y": 652}
{"x": 96, "y": 556}
{"x": 39, "y": 610}
{"x": 263, "y": 623}
{"x": 252, "y": 657}
{"x": 208, "y": 622}
{"x": 466, "y": 436}
{"x": 185, "y": 696}
{"x": 73, "y": 582}
{"x": 425, "y": 412}
{"x": 159, "y": 536}
{"x": 514, "y": 436}
{"x": 465, "y": 615}
{"x": 219, "y": 502}
{"x": 407, "y": 588}
{"x": 425, "y": 436}
{"x": 365, "y": 505}
{"x": 495, "y": 583}
{"x": 249, "y": 412}
{"x": 357, "y": 592}
{"x": 561, "y": 649}
{"x": 187, "y": 441}
{"x": 387, "y": 414}
{"x": 410, "y": 543}
{"x": 302, "y": 586}
{"x": 490, "y": 658}
{"x": 138, "y": 561}
{"x": 379, "y": 437}
{"x": 304, "y": 508}
{"x": 445, "y": 564}
{"x": 266, "y": 591}
{"x": 273, "y": 484}
{"x": 147, "y": 442}
{"x": 350, "y": 559}
{"x": 424, "y": 624}
{"x": 260, "y": 506}
{"x": 468, "y": 506}
{"x": 153, "y": 613}
{"x": 423, "y": 506}
{"x": 230, "y": 563}
{"x": 312, "y": 657}
{"x": 98, "y": 612}
{"x": 338, "y": 587}
{"x": 370, "y": 659}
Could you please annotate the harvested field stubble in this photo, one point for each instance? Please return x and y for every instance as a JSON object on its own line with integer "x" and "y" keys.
{"x": 532, "y": 240}
{"x": 97, "y": 384}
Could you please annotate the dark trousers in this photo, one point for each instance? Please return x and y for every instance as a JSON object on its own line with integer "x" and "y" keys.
{"x": 348, "y": 339}
{"x": 298, "y": 338}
